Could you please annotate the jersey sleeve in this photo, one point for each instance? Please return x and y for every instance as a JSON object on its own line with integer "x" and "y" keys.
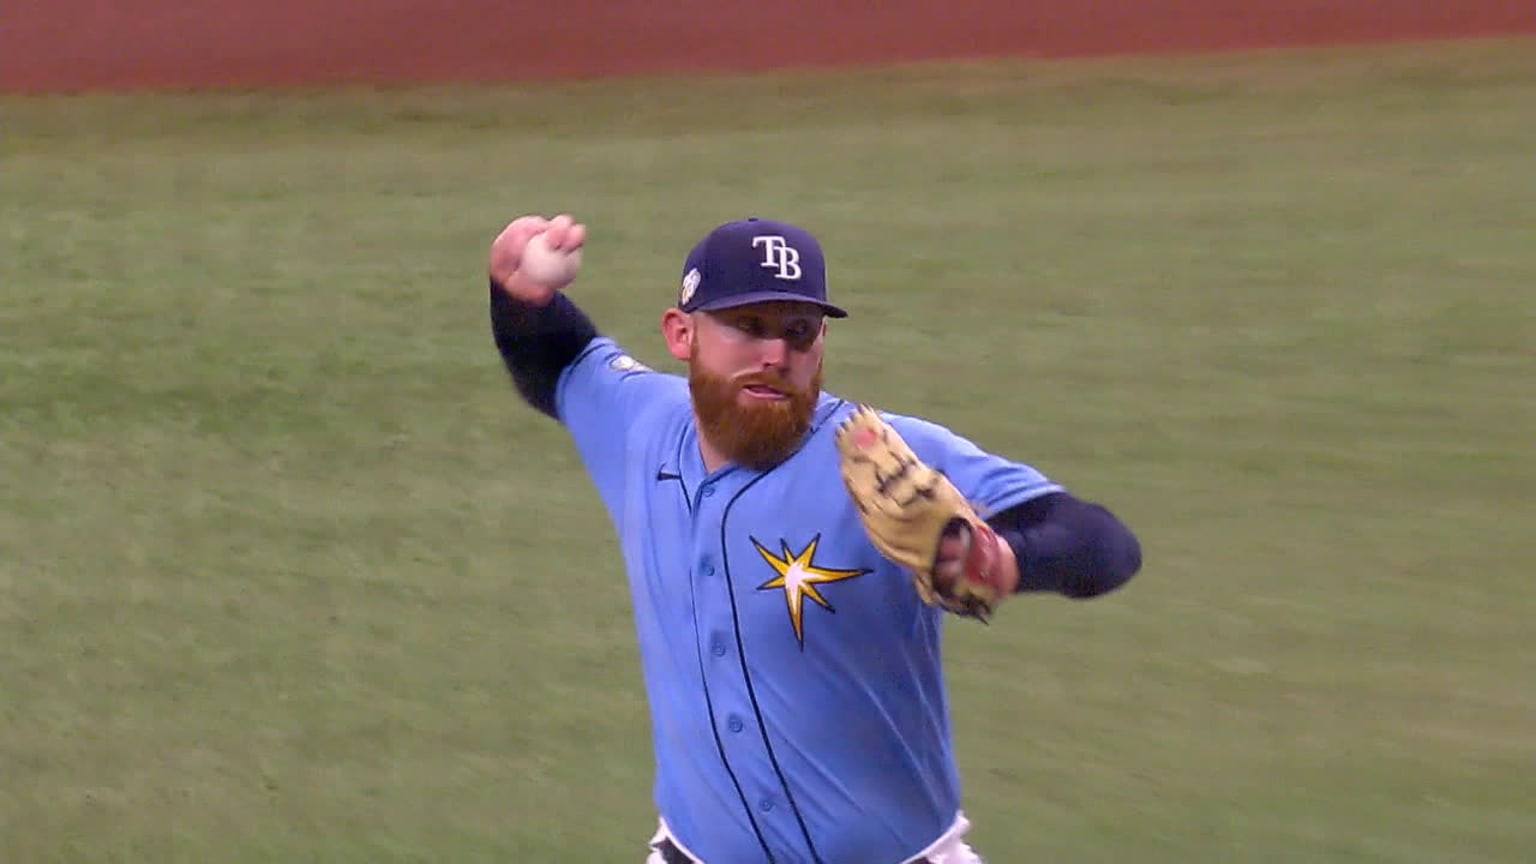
{"x": 992, "y": 483}
{"x": 601, "y": 399}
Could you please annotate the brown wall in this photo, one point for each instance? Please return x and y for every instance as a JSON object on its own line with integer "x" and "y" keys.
{"x": 75, "y": 44}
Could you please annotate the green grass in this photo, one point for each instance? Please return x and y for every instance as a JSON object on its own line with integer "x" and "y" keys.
{"x": 288, "y": 574}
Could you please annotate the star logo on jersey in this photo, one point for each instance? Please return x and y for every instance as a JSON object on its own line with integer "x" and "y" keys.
{"x": 798, "y": 577}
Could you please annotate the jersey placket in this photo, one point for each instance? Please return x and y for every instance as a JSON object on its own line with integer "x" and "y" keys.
{"x": 742, "y": 740}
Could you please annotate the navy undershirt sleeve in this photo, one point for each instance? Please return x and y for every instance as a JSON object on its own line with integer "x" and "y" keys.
{"x": 1068, "y": 546}
{"x": 537, "y": 343}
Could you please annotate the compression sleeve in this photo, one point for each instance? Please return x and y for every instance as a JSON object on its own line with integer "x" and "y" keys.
{"x": 537, "y": 343}
{"x": 1068, "y": 546}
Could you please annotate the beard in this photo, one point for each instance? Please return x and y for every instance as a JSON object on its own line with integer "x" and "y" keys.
{"x": 758, "y": 435}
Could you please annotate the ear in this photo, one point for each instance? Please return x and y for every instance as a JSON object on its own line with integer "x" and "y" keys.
{"x": 677, "y": 330}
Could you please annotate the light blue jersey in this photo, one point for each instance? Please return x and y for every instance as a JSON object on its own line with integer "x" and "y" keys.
{"x": 794, "y": 677}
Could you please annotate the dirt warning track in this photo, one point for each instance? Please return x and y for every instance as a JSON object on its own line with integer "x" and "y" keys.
{"x": 49, "y": 45}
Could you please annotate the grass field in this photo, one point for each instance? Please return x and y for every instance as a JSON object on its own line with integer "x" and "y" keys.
{"x": 288, "y": 574}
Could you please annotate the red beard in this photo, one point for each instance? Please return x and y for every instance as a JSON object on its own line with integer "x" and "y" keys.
{"x": 758, "y": 435}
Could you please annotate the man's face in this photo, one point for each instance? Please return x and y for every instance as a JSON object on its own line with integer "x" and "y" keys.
{"x": 755, "y": 376}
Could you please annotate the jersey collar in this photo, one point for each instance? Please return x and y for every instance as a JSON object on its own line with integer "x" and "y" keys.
{"x": 688, "y": 464}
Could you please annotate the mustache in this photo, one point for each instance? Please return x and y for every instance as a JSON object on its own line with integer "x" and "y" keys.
{"x": 765, "y": 378}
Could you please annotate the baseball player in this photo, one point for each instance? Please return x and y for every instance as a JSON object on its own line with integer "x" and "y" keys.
{"x": 791, "y": 556}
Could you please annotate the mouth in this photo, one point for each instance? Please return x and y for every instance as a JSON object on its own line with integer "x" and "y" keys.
{"x": 763, "y": 391}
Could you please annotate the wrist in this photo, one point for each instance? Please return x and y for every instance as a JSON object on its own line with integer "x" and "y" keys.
{"x": 523, "y": 291}
{"x": 1007, "y": 566}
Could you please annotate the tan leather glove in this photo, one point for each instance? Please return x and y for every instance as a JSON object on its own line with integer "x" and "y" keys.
{"x": 908, "y": 509}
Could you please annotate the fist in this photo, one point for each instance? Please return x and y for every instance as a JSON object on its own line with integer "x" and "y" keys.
{"x": 547, "y": 265}
{"x": 534, "y": 257}
{"x": 956, "y": 556}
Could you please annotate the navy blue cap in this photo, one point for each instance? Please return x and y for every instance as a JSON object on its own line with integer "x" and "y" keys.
{"x": 754, "y": 261}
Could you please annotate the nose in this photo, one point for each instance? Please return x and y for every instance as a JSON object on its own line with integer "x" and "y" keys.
{"x": 775, "y": 353}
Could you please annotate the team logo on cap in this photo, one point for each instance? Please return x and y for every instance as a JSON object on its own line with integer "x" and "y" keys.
{"x": 690, "y": 285}
{"x": 778, "y": 255}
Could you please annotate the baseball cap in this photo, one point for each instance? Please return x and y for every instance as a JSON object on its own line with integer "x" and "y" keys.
{"x": 753, "y": 261}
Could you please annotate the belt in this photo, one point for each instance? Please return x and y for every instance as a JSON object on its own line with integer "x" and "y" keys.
{"x": 670, "y": 854}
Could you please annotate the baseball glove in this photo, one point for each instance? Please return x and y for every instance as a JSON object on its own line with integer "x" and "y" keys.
{"x": 909, "y": 509}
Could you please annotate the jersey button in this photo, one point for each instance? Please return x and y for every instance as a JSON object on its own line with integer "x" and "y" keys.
{"x": 718, "y": 648}
{"x": 707, "y": 569}
{"x": 766, "y": 804}
{"x": 734, "y": 724}
{"x": 709, "y": 491}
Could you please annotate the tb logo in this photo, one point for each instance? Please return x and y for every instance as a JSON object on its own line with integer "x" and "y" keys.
{"x": 778, "y": 255}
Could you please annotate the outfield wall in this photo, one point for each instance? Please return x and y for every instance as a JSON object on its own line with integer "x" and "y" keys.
{"x": 91, "y": 44}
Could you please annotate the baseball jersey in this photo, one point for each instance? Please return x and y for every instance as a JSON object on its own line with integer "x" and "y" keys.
{"x": 793, "y": 675}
